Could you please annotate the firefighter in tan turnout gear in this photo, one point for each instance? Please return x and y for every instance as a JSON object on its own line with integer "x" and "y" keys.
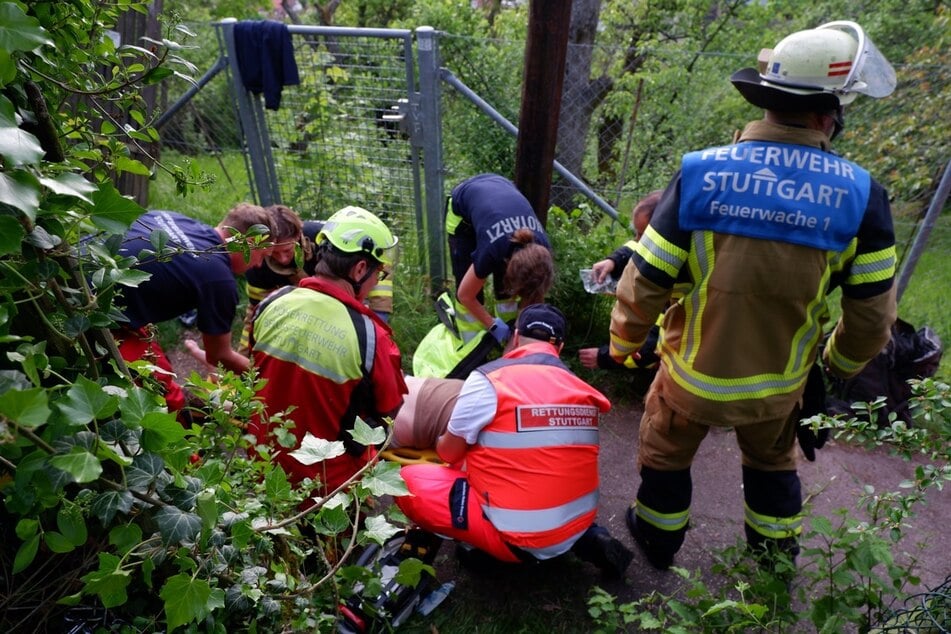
{"x": 761, "y": 231}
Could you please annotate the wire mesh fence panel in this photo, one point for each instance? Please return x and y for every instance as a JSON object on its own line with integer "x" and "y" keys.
{"x": 337, "y": 138}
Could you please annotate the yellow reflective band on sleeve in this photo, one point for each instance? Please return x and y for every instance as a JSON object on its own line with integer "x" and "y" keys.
{"x": 660, "y": 252}
{"x": 631, "y": 244}
{"x": 453, "y": 220}
{"x": 877, "y": 266}
{"x": 662, "y": 521}
{"x": 621, "y": 347}
{"x": 840, "y": 361}
{"x": 773, "y": 527}
{"x": 256, "y": 293}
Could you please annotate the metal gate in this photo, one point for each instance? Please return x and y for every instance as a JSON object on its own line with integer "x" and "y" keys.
{"x": 349, "y": 133}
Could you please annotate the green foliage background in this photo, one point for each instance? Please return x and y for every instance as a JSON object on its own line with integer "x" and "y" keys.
{"x": 108, "y": 500}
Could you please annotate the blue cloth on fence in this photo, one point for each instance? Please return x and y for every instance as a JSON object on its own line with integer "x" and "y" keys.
{"x": 265, "y": 58}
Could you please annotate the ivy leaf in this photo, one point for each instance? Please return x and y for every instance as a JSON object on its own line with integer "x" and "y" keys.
{"x": 411, "y": 571}
{"x": 70, "y": 184}
{"x": 379, "y": 530}
{"x": 188, "y": 600}
{"x": 76, "y": 325}
{"x": 207, "y": 507}
{"x": 276, "y": 485}
{"x": 125, "y": 537}
{"x": 137, "y": 404}
{"x": 161, "y": 430}
{"x": 42, "y": 239}
{"x": 26, "y": 553}
{"x": 313, "y": 450}
{"x": 112, "y": 211}
{"x": 332, "y": 520}
{"x": 366, "y": 435}
{"x": 385, "y": 479}
{"x": 87, "y": 401}
{"x": 11, "y": 235}
{"x": 109, "y": 582}
{"x": 105, "y": 452}
{"x": 28, "y": 408}
{"x": 19, "y": 147}
{"x": 145, "y": 469}
{"x": 18, "y": 31}
{"x": 132, "y": 166}
{"x": 176, "y": 525}
{"x": 108, "y": 503}
{"x": 80, "y": 464}
{"x": 21, "y": 191}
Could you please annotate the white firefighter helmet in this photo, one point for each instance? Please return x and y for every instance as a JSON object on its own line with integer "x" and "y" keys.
{"x": 818, "y": 69}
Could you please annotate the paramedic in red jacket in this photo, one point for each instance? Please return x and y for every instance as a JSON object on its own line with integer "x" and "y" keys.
{"x": 325, "y": 354}
{"x": 527, "y": 429}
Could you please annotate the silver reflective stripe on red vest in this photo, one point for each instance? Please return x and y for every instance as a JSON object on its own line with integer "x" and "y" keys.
{"x": 537, "y": 521}
{"x": 538, "y": 439}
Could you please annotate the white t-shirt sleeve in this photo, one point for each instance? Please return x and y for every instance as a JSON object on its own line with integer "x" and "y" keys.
{"x": 475, "y": 408}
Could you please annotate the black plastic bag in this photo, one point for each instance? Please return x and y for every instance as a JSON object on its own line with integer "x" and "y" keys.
{"x": 909, "y": 354}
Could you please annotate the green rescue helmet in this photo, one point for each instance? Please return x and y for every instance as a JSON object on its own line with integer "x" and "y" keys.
{"x": 817, "y": 69}
{"x": 356, "y": 230}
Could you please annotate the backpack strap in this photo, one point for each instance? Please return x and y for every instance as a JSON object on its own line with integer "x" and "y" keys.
{"x": 362, "y": 396}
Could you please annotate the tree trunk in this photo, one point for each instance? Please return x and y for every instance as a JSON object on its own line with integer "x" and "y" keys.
{"x": 132, "y": 27}
{"x": 581, "y": 94}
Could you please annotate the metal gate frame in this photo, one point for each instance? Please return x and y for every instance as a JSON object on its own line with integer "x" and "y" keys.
{"x": 422, "y": 104}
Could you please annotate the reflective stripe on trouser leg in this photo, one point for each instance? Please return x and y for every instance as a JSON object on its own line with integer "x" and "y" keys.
{"x": 507, "y": 309}
{"x": 773, "y": 509}
{"x": 663, "y": 509}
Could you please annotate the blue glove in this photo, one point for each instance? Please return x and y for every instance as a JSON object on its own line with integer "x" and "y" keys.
{"x": 500, "y": 331}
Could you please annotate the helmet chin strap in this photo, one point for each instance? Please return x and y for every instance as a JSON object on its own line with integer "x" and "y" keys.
{"x": 358, "y": 284}
{"x": 839, "y": 122}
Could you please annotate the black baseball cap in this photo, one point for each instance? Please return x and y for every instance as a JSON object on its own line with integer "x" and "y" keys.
{"x": 542, "y": 321}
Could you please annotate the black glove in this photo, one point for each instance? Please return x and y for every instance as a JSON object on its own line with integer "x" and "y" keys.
{"x": 813, "y": 402}
{"x": 810, "y": 440}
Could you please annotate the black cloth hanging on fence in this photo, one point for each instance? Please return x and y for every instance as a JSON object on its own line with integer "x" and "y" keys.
{"x": 265, "y": 58}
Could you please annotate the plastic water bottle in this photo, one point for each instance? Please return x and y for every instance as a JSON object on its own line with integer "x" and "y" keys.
{"x": 434, "y": 598}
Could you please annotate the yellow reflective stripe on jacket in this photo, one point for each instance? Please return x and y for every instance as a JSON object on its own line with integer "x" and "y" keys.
{"x": 506, "y": 309}
{"x": 662, "y": 521}
{"x": 773, "y": 527}
{"x": 680, "y": 362}
{"x": 467, "y": 323}
{"x": 720, "y": 389}
{"x": 872, "y": 267}
{"x": 660, "y": 252}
